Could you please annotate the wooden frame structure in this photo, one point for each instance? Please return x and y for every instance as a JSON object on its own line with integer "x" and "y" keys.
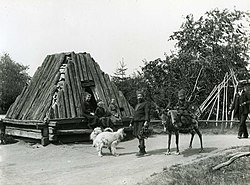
{"x": 218, "y": 101}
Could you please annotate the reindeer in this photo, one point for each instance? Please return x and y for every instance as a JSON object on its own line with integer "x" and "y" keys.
{"x": 172, "y": 124}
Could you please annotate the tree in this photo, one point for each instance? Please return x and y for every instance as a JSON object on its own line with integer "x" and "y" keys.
{"x": 213, "y": 44}
{"x": 121, "y": 70}
{"x": 127, "y": 84}
{"x": 219, "y": 40}
{"x": 13, "y": 77}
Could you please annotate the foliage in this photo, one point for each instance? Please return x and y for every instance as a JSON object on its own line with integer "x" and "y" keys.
{"x": 215, "y": 43}
{"x": 128, "y": 86}
{"x": 200, "y": 172}
{"x": 121, "y": 71}
{"x": 13, "y": 77}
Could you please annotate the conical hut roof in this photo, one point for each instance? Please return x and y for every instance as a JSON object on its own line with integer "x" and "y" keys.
{"x": 58, "y": 88}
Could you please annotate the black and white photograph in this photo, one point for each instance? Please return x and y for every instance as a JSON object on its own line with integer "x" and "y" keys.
{"x": 124, "y": 92}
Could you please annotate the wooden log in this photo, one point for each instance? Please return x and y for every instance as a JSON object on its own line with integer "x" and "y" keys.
{"x": 42, "y": 89}
{"x": 45, "y": 141}
{"x": 24, "y": 122}
{"x": 18, "y": 108}
{"x": 84, "y": 68}
{"x": 78, "y": 85}
{"x": 66, "y": 98}
{"x": 37, "y": 89}
{"x": 119, "y": 103}
{"x": 79, "y": 67}
{"x": 85, "y": 58}
{"x": 217, "y": 167}
{"x": 211, "y": 110}
{"x": 218, "y": 105}
{"x": 45, "y": 136}
{"x": 17, "y": 101}
{"x": 75, "y": 92}
{"x": 46, "y": 100}
{"x": 60, "y": 106}
{"x": 98, "y": 86}
{"x": 23, "y": 133}
{"x": 64, "y": 105}
{"x": 124, "y": 104}
{"x": 74, "y": 131}
{"x": 70, "y": 94}
{"x": 47, "y": 105}
{"x": 52, "y": 130}
{"x": 52, "y": 138}
{"x": 24, "y": 129}
{"x": 107, "y": 95}
{"x": 57, "y": 122}
{"x": 49, "y": 90}
{"x": 111, "y": 91}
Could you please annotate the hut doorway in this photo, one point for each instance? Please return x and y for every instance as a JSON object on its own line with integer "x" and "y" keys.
{"x": 93, "y": 100}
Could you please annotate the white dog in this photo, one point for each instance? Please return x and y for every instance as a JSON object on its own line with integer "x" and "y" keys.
{"x": 97, "y": 131}
{"x": 110, "y": 140}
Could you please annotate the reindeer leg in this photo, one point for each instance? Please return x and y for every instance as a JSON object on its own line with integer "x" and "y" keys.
{"x": 177, "y": 142}
{"x": 200, "y": 136}
{"x": 169, "y": 142}
{"x": 191, "y": 140}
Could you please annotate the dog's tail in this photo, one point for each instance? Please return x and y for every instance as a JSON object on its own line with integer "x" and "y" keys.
{"x": 108, "y": 129}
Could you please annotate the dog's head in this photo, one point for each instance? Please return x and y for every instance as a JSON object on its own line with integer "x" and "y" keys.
{"x": 121, "y": 133}
{"x": 95, "y": 132}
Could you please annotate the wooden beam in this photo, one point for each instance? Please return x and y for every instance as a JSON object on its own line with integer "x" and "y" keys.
{"x": 73, "y": 131}
{"x": 23, "y": 133}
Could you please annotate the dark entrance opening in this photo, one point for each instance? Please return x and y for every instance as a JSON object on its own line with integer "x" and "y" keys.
{"x": 93, "y": 100}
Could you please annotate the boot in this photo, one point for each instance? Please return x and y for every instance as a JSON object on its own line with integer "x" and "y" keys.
{"x": 140, "y": 153}
{"x": 143, "y": 150}
{"x": 141, "y": 147}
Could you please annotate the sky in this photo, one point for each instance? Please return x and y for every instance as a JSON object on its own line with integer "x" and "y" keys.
{"x": 110, "y": 30}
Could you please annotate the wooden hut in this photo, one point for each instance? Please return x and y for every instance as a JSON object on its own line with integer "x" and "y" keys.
{"x": 52, "y": 103}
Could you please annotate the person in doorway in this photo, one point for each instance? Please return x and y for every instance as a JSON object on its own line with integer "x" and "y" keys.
{"x": 240, "y": 106}
{"x": 140, "y": 122}
{"x": 103, "y": 115}
{"x": 89, "y": 112}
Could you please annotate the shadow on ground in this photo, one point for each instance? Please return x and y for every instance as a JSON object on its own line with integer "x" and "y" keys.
{"x": 196, "y": 151}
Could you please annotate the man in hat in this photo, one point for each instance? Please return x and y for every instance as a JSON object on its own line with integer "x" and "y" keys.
{"x": 240, "y": 106}
{"x": 140, "y": 122}
{"x": 184, "y": 117}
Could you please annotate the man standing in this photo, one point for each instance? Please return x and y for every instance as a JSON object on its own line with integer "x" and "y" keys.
{"x": 241, "y": 107}
{"x": 140, "y": 122}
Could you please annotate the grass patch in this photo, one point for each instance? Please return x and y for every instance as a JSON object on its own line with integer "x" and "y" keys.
{"x": 201, "y": 172}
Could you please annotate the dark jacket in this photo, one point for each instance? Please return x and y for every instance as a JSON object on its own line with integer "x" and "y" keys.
{"x": 141, "y": 112}
{"x": 88, "y": 108}
{"x": 100, "y": 112}
{"x": 241, "y": 104}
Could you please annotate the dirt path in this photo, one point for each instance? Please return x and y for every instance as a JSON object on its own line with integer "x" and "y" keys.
{"x": 22, "y": 163}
